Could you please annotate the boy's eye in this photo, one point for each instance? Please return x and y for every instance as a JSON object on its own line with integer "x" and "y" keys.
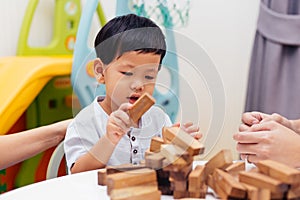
{"x": 127, "y": 73}
{"x": 149, "y": 77}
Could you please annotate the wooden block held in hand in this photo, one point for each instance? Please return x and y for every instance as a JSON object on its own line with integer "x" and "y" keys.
{"x": 141, "y": 106}
{"x": 279, "y": 171}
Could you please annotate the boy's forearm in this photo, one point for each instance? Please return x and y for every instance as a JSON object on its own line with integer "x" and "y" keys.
{"x": 96, "y": 158}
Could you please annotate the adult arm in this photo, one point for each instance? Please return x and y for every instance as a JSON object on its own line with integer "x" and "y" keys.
{"x": 20, "y": 146}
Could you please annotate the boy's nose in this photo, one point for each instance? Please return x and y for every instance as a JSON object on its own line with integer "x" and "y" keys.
{"x": 137, "y": 85}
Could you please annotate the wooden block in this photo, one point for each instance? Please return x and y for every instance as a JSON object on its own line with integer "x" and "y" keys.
{"x": 221, "y": 160}
{"x": 235, "y": 168}
{"x": 252, "y": 192}
{"x": 279, "y": 171}
{"x": 180, "y": 185}
{"x": 263, "y": 181}
{"x": 229, "y": 184}
{"x": 155, "y": 144}
{"x": 123, "y": 168}
{"x": 141, "y": 106}
{"x": 179, "y": 137}
{"x": 196, "y": 179}
{"x": 102, "y": 176}
{"x": 182, "y": 174}
{"x": 294, "y": 192}
{"x": 155, "y": 161}
{"x": 145, "y": 192}
{"x": 130, "y": 178}
{"x": 201, "y": 193}
{"x": 180, "y": 194}
{"x": 173, "y": 154}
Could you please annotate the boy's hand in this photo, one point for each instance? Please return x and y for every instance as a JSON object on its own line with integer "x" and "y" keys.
{"x": 190, "y": 128}
{"x": 118, "y": 123}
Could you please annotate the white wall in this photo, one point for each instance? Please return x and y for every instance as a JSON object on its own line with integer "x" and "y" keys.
{"x": 224, "y": 29}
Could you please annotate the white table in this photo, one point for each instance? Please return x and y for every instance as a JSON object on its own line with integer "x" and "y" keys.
{"x": 81, "y": 186}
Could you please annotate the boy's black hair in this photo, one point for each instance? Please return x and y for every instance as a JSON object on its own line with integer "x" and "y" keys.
{"x": 129, "y": 33}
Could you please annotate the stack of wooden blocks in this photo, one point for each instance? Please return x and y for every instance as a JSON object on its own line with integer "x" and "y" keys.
{"x": 168, "y": 170}
{"x": 172, "y": 158}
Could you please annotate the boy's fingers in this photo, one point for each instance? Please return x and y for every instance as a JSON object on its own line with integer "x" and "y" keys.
{"x": 125, "y": 106}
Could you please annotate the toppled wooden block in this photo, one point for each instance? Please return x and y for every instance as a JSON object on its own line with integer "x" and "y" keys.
{"x": 141, "y": 106}
{"x": 196, "y": 179}
{"x": 155, "y": 144}
{"x": 263, "y": 181}
{"x": 130, "y": 178}
{"x": 145, "y": 192}
{"x": 184, "y": 140}
{"x": 229, "y": 184}
{"x": 221, "y": 160}
{"x": 279, "y": 171}
{"x": 235, "y": 168}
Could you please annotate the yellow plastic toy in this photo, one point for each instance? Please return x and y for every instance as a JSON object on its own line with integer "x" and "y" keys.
{"x": 21, "y": 80}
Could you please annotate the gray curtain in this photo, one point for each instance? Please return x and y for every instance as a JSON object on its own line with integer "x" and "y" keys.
{"x": 274, "y": 76}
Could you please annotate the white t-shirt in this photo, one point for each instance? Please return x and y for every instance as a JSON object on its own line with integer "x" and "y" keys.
{"x": 90, "y": 124}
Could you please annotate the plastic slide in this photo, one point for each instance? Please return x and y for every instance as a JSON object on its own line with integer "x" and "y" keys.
{"x": 21, "y": 80}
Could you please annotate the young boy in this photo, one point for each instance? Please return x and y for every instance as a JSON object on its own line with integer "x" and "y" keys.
{"x": 130, "y": 50}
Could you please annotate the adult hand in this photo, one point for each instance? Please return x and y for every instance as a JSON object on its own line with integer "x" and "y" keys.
{"x": 269, "y": 140}
{"x": 118, "y": 123}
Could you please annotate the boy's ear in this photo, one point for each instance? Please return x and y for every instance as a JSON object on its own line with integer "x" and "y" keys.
{"x": 98, "y": 70}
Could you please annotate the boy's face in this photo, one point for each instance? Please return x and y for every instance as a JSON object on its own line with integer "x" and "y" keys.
{"x": 128, "y": 77}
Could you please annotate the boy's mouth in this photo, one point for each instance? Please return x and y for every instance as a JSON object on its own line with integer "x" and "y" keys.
{"x": 133, "y": 98}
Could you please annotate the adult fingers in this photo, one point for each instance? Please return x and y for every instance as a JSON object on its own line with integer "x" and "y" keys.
{"x": 248, "y": 137}
{"x": 250, "y": 118}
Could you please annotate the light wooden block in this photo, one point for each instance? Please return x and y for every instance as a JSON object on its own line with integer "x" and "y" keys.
{"x": 141, "y": 106}
{"x": 102, "y": 176}
{"x": 155, "y": 144}
{"x": 229, "y": 184}
{"x": 123, "y": 168}
{"x": 155, "y": 161}
{"x": 263, "y": 181}
{"x": 279, "y": 171}
{"x": 145, "y": 192}
{"x": 235, "y": 168}
{"x": 173, "y": 154}
{"x": 182, "y": 174}
{"x": 130, "y": 178}
{"x": 221, "y": 160}
{"x": 196, "y": 179}
{"x": 294, "y": 192}
{"x": 179, "y": 137}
